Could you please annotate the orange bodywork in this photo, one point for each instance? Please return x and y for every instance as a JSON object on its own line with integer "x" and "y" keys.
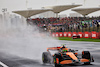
{"x": 66, "y": 62}
{"x": 84, "y": 60}
{"x": 83, "y": 52}
{"x": 57, "y": 60}
{"x": 72, "y": 55}
{"x": 76, "y": 53}
{"x": 65, "y": 49}
{"x": 54, "y": 48}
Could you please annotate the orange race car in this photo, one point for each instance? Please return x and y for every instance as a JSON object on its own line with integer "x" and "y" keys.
{"x": 64, "y": 55}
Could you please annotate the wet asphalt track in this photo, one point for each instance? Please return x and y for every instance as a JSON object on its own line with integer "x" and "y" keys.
{"x": 93, "y": 47}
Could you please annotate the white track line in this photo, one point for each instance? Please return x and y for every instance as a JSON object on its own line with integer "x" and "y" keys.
{"x": 4, "y": 65}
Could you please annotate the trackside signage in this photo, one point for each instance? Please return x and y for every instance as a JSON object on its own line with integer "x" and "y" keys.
{"x": 86, "y": 34}
{"x": 92, "y": 34}
{"x": 80, "y": 34}
{"x": 69, "y": 34}
{"x": 57, "y": 34}
{"x": 65, "y": 34}
{"x": 61, "y": 34}
{"x": 53, "y": 34}
{"x": 74, "y": 33}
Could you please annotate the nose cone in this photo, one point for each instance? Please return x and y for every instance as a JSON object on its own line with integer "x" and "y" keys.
{"x": 71, "y": 55}
{"x": 76, "y": 61}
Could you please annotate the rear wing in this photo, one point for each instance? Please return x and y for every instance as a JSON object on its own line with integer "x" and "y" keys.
{"x": 53, "y": 48}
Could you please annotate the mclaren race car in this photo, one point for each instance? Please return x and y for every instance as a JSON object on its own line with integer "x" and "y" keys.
{"x": 64, "y": 55}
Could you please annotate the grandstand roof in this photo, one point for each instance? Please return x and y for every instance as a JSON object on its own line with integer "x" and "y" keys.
{"x": 58, "y": 9}
{"x": 29, "y": 13}
{"x": 86, "y": 11}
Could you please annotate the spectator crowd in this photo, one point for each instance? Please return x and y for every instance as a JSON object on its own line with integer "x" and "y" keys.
{"x": 73, "y": 24}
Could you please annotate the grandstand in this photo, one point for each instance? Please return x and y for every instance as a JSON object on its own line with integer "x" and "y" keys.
{"x": 65, "y": 24}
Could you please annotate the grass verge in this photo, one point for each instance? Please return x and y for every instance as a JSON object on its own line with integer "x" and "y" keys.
{"x": 80, "y": 39}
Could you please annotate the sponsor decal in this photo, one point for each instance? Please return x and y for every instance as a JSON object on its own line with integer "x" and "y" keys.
{"x": 74, "y": 34}
{"x": 53, "y": 35}
{"x": 80, "y": 35}
{"x": 69, "y": 34}
{"x": 86, "y": 35}
{"x": 64, "y": 34}
{"x": 60, "y": 34}
{"x": 56, "y": 35}
{"x": 93, "y": 35}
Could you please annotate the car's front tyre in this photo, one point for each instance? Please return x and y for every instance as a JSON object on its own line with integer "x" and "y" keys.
{"x": 86, "y": 55}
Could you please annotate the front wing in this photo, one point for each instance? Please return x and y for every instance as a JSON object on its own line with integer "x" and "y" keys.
{"x": 73, "y": 61}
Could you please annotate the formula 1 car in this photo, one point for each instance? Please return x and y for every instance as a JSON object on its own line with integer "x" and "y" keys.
{"x": 65, "y": 56}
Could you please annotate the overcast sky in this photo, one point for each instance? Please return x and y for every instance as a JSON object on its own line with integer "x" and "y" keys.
{"x": 13, "y": 5}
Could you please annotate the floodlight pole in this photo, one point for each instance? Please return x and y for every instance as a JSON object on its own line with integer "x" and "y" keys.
{"x": 84, "y": 15}
{"x": 56, "y": 1}
{"x": 56, "y": 15}
{"x": 84, "y": 2}
{"x": 26, "y": 4}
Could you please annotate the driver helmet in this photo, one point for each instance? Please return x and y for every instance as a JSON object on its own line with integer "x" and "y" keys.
{"x": 64, "y": 50}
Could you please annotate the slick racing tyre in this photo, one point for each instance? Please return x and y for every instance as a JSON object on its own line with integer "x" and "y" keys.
{"x": 86, "y": 55}
{"x": 46, "y": 57}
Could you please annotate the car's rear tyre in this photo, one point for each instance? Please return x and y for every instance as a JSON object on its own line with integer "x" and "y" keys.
{"x": 86, "y": 55}
{"x": 57, "y": 65}
{"x": 46, "y": 57}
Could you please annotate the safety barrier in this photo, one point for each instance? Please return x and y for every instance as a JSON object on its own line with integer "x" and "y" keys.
{"x": 80, "y": 34}
{"x": 93, "y": 34}
{"x": 69, "y": 34}
{"x": 87, "y": 34}
{"x": 65, "y": 34}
